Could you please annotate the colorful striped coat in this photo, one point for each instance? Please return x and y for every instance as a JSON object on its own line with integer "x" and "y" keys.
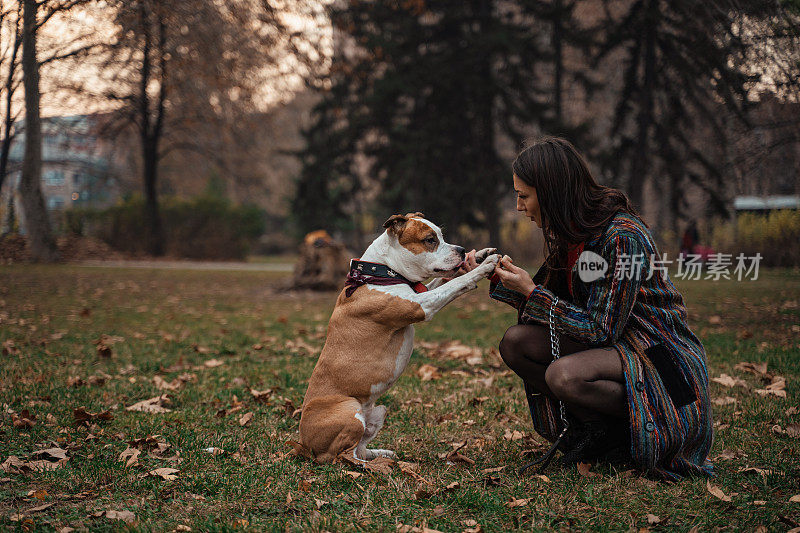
{"x": 644, "y": 317}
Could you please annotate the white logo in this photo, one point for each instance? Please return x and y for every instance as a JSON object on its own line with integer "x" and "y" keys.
{"x": 591, "y": 266}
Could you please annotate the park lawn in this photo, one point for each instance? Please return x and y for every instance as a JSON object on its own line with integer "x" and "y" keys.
{"x": 172, "y": 323}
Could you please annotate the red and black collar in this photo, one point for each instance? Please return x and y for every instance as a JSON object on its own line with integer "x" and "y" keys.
{"x": 366, "y": 272}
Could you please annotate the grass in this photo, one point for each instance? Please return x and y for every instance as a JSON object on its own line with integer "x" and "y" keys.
{"x": 172, "y": 322}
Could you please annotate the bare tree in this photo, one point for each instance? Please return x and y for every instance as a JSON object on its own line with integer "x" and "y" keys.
{"x": 40, "y": 236}
{"x": 180, "y": 70}
{"x": 10, "y": 21}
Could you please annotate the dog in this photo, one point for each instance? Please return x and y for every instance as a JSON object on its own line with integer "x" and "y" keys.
{"x": 371, "y": 334}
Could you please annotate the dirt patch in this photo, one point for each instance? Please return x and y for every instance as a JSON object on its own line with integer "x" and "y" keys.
{"x": 14, "y": 249}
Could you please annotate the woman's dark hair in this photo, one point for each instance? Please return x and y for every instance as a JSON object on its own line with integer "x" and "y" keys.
{"x": 574, "y": 207}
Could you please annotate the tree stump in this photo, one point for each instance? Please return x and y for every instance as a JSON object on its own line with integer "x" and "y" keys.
{"x": 323, "y": 263}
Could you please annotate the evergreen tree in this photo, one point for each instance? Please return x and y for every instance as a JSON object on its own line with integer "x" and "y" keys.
{"x": 428, "y": 92}
{"x": 683, "y": 79}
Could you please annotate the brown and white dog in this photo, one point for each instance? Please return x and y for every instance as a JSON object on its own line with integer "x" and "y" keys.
{"x": 371, "y": 336}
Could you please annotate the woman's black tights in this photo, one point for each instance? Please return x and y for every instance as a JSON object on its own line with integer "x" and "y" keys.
{"x": 590, "y": 381}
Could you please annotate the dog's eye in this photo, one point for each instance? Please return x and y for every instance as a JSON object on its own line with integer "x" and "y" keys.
{"x": 430, "y": 240}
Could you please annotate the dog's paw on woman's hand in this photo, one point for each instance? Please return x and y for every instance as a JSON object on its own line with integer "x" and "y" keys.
{"x": 481, "y": 255}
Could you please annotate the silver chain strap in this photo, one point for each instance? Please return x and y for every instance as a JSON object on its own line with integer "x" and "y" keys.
{"x": 555, "y": 349}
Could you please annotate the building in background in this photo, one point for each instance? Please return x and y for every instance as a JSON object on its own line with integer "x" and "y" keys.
{"x": 76, "y": 167}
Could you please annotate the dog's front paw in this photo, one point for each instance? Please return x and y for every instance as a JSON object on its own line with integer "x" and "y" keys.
{"x": 488, "y": 265}
{"x": 481, "y": 255}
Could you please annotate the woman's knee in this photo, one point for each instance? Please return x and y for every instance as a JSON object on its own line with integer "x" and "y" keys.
{"x": 522, "y": 342}
{"x": 565, "y": 378}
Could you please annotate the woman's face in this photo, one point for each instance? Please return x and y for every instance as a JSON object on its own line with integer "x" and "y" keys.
{"x": 527, "y": 201}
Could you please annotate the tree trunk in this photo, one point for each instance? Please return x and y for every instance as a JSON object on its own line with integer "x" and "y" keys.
{"x": 8, "y": 120}
{"x": 639, "y": 170}
{"x": 151, "y": 132}
{"x": 37, "y": 224}
{"x": 155, "y": 232}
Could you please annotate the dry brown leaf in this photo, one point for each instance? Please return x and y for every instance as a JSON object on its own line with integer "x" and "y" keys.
{"x": 521, "y": 502}
{"x": 715, "y": 319}
{"x": 151, "y": 405}
{"x": 754, "y": 470}
{"x": 730, "y": 381}
{"x": 793, "y": 430}
{"x": 82, "y": 417}
{"x": 213, "y": 363}
{"x": 380, "y": 465}
{"x": 585, "y": 470}
{"x": 23, "y": 419}
{"x": 126, "y": 516}
{"x": 130, "y": 456}
{"x": 717, "y": 492}
{"x": 245, "y": 418}
{"x": 513, "y": 435}
{"x": 776, "y": 388}
{"x": 354, "y": 475}
{"x": 261, "y": 396}
{"x": 727, "y": 400}
{"x": 428, "y": 372}
{"x": 795, "y": 498}
{"x": 758, "y": 369}
{"x": 156, "y": 444}
{"x": 168, "y": 474}
{"x": 653, "y": 519}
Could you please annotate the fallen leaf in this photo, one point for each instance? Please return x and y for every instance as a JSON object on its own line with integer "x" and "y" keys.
{"x": 245, "y": 418}
{"x": 730, "y": 381}
{"x": 126, "y": 516}
{"x": 83, "y": 417}
{"x": 40, "y": 508}
{"x": 727, "y": 400}
{"x": 716, "y": 492}
{"x": 514, "y": 502}
{"x": 104, "y": 351}
{"x": 213, "y": 363}
{"x": 793, "y": 430}
{"x": 320, "y": 503}
{"x": 428, "y": 372}
{"x": 758, "y": 369}
{"x": 151, "y": 405}
{"x": 167, "y": 474}
{"x": 513, "y": 435}
{"x": 776, "y": 388}
{"x": 795, "y": 498}
{"x": 261, "y": 396}
{"x": 23, "y": 419}
{"x": 754, "y": 470}
{"x": 585, "y": 470}
{"x": 380, "y": 465}
{"x": 653, "y": 519}
{"x": 354, "y": 475}
{"x": 130, "y": 456}
{"x": 452, "y": 486}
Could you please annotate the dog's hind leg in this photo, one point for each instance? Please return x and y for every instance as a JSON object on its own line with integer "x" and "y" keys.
{"x": 331, "y": 425}
{"x": 373, "y": 422}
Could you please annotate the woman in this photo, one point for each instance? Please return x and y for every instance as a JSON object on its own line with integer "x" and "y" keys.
{"x": 632, "y": 376}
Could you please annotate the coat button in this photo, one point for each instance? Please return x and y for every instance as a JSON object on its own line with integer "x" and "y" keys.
{"x": 640, "y": 386}
{"x": 650, "y": 427}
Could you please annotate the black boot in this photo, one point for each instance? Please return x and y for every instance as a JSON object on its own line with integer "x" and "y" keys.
{"x": 595, "y": 439}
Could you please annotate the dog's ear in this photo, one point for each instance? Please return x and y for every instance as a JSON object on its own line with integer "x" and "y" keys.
{"x": 415, "y": 215}
{"x": 396, "y": 223}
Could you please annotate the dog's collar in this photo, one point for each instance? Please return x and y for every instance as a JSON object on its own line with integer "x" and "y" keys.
{"x": 363, "y": 272}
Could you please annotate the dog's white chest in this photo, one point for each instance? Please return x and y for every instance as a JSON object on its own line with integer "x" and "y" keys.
{"x": 401, "y": 361}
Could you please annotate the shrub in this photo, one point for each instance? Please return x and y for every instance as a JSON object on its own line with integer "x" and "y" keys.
{"x": 205, "y": 227}
{"x": 775, "y": 236}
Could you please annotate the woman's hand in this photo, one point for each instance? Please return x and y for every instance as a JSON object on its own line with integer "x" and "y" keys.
{"x": 513, "y": 277}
